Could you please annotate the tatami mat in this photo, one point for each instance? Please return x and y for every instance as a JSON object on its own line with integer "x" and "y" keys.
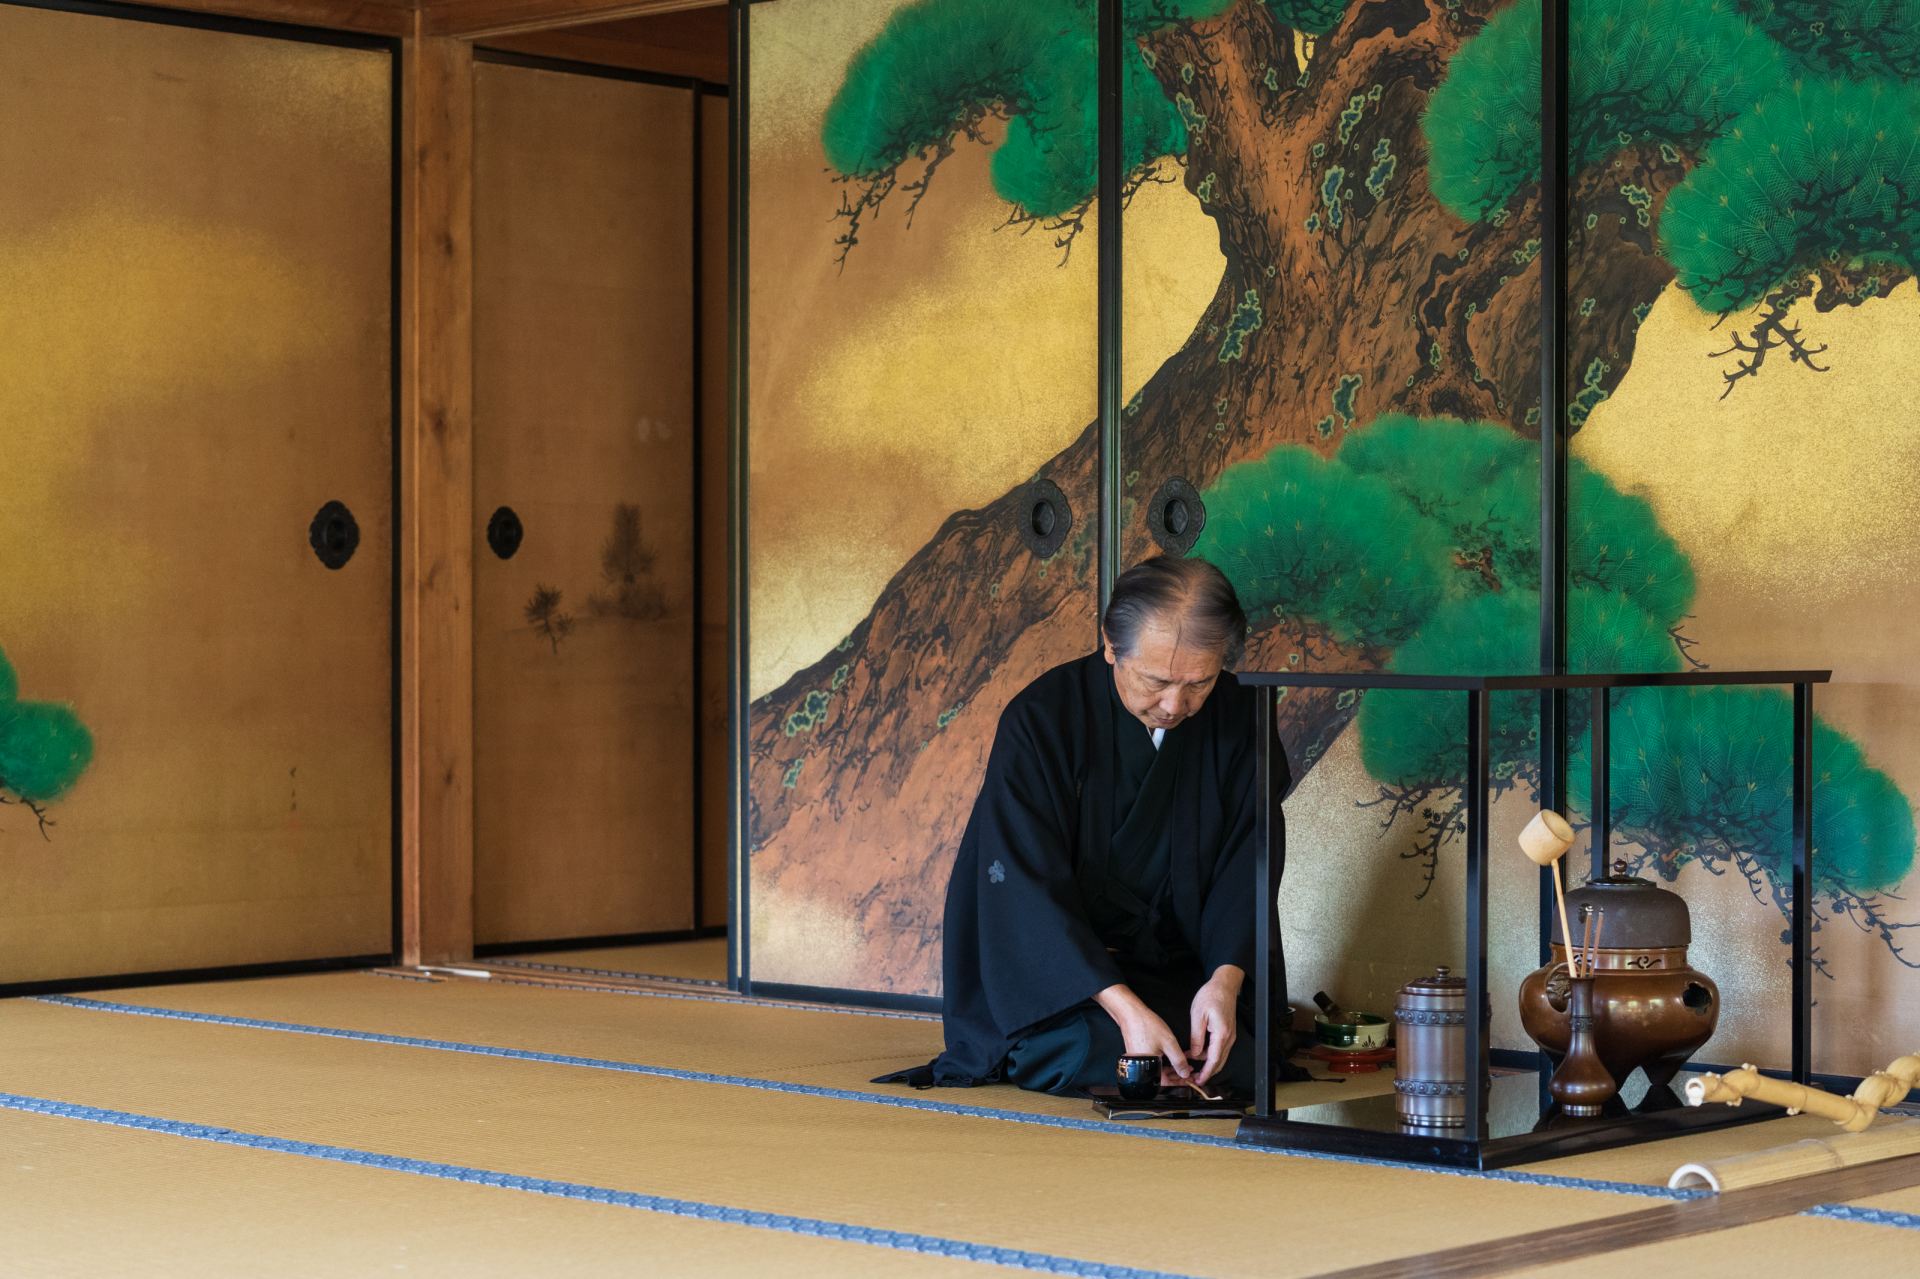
{"x": 1907, "y": 1201}
{"x": 82, "y": 1199}
{"x": 763, "y": 1041}
{"x": 682, "y": 1132}
{"x": 702, "y": 960}
{"x": 1059, "y": 1192}
{"x": 687, "y": 1031}
{"x": 1655, "y": 1161}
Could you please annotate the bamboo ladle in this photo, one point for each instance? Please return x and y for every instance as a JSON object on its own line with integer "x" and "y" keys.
{"x": 1545, "y": 841}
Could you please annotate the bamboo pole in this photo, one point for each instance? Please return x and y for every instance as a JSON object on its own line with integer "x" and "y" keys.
{"x": 1881, "y": 1089}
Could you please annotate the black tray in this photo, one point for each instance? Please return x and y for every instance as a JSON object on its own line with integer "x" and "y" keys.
{"x": 1168, "y": 1103}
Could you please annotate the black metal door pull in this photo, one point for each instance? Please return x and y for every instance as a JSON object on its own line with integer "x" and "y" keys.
{"x": 1175, "y": 516}
{"x": 1043, "y": 517}
{"x": 334, "y": 535}
{"x": 504, "y": 532}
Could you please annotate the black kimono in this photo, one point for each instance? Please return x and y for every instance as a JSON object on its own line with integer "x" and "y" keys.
{"x": 1092, "y": 859}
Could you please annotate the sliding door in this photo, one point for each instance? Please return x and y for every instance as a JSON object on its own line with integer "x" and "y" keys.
{"x": 922, "y": 510}
{"x": 196, "y": 403}
{"x": 585, "y": 697}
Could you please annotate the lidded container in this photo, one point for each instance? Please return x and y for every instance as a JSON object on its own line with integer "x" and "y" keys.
{"x": 1430, "y": 1016}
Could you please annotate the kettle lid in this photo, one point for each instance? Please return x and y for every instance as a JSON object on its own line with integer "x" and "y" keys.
{"x": 1640, "y": 915}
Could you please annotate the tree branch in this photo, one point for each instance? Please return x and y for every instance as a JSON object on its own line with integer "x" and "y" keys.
{"x": 39, "y": 812}
{"x": 1770, "y": 332}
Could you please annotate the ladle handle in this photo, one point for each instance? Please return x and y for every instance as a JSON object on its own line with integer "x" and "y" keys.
{"x": 1566, "y": 930}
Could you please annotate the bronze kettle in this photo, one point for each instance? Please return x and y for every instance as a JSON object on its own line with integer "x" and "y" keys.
{"x": 1652, "y": 1010}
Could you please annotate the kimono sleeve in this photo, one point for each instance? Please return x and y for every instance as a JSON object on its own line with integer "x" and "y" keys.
{"x": 1038, "y": 952}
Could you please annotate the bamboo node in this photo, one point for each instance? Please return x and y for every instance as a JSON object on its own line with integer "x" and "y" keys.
{"x": 1876, "y": 1092}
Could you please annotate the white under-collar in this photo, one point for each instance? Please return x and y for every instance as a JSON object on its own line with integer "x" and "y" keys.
{"x": 1158, "y": 735}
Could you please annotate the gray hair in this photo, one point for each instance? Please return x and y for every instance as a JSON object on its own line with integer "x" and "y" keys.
{"x": 1191, "y": 593}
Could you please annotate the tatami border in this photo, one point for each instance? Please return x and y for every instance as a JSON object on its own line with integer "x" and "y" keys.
{"x": 707, "y": 982}
{"x": 495, "y": 977}
{"x": 870, "y": 1236}
{"x": 1866, "y": 1216}
{"x": 900, "y": 1102}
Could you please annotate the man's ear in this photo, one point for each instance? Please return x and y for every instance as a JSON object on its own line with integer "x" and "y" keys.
{"x": 1106, "y": 646}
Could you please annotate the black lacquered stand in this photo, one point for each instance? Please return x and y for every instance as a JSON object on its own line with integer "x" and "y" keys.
{"x": 1510, "y": 1118}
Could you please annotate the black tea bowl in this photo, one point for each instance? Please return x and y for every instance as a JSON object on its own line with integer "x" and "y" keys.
{"x": 1138, "y": 1076}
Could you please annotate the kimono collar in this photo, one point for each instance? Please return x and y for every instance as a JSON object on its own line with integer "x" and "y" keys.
{"x": 1096, "y": 792}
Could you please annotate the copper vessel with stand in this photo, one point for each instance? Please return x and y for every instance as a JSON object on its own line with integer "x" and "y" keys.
{"x": 1651, "y": 1009}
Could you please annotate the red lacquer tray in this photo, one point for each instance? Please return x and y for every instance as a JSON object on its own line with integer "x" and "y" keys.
{"x": 1348, "y": 1061}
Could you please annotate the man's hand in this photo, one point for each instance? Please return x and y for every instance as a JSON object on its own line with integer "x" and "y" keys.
{"x": 1144, "y": 1033}
{"x": 1213, "y": 1019}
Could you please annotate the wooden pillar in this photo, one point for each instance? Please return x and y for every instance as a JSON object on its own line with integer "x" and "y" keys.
{"x": 436, "y": 588}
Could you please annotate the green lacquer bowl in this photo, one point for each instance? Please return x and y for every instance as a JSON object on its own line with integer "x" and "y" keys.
{"x": 1354, "y": 1032}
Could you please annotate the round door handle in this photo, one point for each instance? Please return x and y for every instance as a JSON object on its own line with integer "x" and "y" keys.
{"x": 505, "y": 532}
{"x": 1175, "y": 516}
{"x": 1043, "y": 517}
{"x": 334, "y": 535}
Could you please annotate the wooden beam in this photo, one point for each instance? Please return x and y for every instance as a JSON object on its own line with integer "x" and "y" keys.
{"x": 436, "y": 583}
{"x": 478, "y": 19}
{"x": 1575, "y": 1240}
{"x": 366, "y": 17}
{"x": 587, "y": 44}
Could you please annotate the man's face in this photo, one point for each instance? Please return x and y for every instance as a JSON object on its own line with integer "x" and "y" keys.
{"x": 1165, "y": 680}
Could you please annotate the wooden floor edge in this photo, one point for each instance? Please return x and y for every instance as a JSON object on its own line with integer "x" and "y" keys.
{"x": 1705, "y": 1215}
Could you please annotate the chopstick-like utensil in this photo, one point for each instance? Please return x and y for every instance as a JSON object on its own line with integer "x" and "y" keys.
{"x": 1188, "y": 1083}
{"x": 1586, "y": 942}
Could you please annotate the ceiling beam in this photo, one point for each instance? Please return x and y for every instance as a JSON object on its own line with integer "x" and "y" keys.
{"x": 590, "y": 46}
{"x": 478, "y": 19}
{"x": 365, "y": 17}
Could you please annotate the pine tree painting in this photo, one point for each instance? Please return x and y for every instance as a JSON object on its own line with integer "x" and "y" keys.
{"x": 547, "y": 617}
{"x": 44, "y": 749}
{"x": 626, "y": 571}
{"x": 1359, "y": 401}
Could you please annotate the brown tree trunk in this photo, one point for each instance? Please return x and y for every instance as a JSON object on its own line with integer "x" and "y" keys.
{"x": 863, "y": 767}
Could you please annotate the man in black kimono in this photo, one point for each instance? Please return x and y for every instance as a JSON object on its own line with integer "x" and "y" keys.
{"x": 1103, "y": 898}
